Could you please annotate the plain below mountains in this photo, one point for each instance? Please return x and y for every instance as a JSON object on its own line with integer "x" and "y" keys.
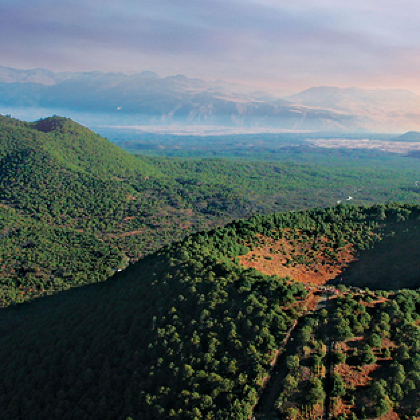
{"x": 151, "y": 99}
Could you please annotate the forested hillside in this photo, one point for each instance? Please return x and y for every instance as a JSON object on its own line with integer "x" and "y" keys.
{"x": 189, "y": 332}
{"x": 75, "y": 208}
{"x": 66, "y": 193}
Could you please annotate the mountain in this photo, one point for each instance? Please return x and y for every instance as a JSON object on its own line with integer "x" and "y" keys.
{"x": 411, "y": 136}
{"x": 177, "y": 99}
{"x": 394, "y": 109}
{"x": 151, "y": 99}
{"x": 196, "y": 330}
{"x": 41, "y": 76}
{"x": 165, "y": 100}
{"x": 75, "y": 208}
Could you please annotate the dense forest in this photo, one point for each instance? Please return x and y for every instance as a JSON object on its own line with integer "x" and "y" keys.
{"x": 191, "y": 332}
{"x": 75, "y": 208}
{"x": 226, "y": 313}
{"x": 356, "y": 360}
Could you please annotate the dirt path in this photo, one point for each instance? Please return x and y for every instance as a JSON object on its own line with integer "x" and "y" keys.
{"x": 328, "y": 360}
{"x": 266, "y": 409}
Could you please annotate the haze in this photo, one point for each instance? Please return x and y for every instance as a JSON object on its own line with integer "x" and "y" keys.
{"x": 273, "y": 44}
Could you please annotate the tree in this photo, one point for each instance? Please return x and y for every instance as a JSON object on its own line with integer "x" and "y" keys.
{"x": 375, "y": 341}
{"x": 377, "y": 391}
{"x": 399, "y": 376}
{"x": 367, "y": 356}
{"x": 316, "y": 392}
{"x": 343, "y": 330}
{"x": 382, "y": 406}
{"x": 317, "y": 360}
{"x": 409, "y": 385}
{"x": 292, "y": 413}
{"x": 397, "y": 393}
{"x": 305, "y": 334}
{"x": 290, "y": 383}
{"x": 292, "y": 362}
{"x": 340, "y": 357}
{"x": 338, "y": 387}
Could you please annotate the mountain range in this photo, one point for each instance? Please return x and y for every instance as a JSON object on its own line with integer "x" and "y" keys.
{"x": 155, "y": 100}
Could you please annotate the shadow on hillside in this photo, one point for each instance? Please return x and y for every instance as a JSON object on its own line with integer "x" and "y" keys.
{"x": 390, "y": 265}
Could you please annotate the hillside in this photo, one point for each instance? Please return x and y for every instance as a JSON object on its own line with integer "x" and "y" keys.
{"x": 62, "y": 184}
{"x": 191, "y": 333}
{"x": 61, "y": 179}
{"x": 75, "y": 207}
{"x": 411, "y": 136}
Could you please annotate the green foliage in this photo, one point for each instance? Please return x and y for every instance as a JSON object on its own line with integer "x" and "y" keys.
{"x": 187, "y": 333}
{"x": 340, "y": 358}
{"x": 382, "y": 406}
{"x": 394, "y": 385}
{"x": 316, "y": 393}
{"x": 37, "y": 258}
{"x": 367, "y": 356}
{"x": 292, "y": 362}
{"x": 56, "y": 174}
{"x": 338, "y": 388}
{"x": 184, "y": 334}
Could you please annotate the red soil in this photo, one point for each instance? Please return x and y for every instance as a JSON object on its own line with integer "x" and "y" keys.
{"x": 277, "y": 257}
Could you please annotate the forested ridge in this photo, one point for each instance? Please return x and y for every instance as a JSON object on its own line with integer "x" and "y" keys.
{"x": 188, "y": 332}
{"x": 185, "y": 334}
{"x": 74, "y": 207}
{"x": 357, "y": 360}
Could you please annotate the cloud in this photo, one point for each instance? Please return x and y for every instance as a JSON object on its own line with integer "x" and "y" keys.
{"x": 307, "y": 40}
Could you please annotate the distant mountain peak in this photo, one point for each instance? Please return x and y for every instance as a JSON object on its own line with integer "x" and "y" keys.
{"x": 410, "y": 136}
{"x": 38, "y": 75}
{"x": 149, "y": 75}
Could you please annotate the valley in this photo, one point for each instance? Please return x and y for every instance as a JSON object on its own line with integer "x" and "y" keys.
{"x": 366, "y": 144}
{"x": 209, "y": 210}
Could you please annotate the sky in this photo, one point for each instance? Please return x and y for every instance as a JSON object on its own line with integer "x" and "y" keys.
{"x": 273, "y": 44}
